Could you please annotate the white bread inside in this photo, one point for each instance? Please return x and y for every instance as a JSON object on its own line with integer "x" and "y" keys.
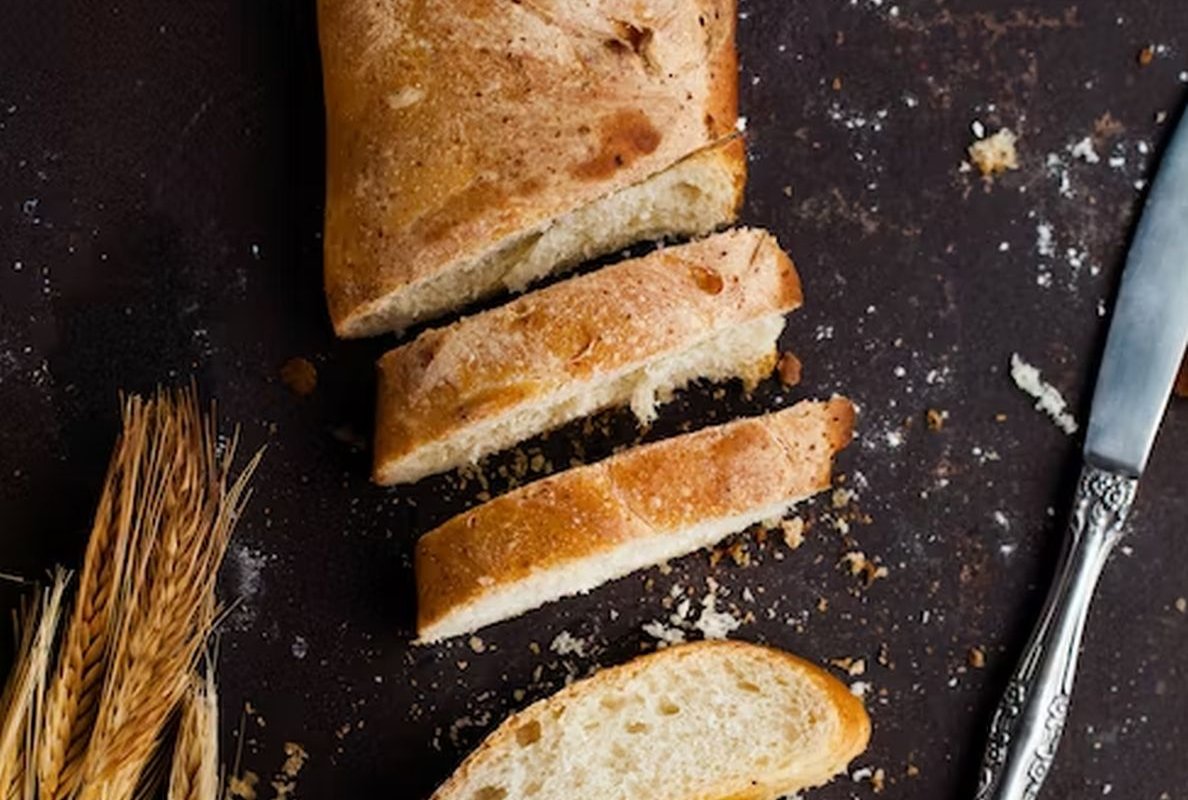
{"x": 707, "y": 720}
{"x": 690, "y": 198}
{"x": 629, "y": 334}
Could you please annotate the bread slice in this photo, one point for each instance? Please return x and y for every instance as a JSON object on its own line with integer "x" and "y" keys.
{"x": 473, "y": 147}
{"x": 572, "y": 531}
{"x": 629, "y": 333}
{"x": 706, "y": 721}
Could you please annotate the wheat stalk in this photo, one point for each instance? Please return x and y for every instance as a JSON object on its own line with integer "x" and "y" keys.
{"x": 195, "y": 773}
{"x": 184, "y": 518}
{"x": 23, "y": 701}
{"x": 145, "y": 601}
{"x": 73, "y": 698}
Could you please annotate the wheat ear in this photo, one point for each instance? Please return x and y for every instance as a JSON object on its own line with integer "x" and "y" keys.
{"x": 73, "y": 698}
{"x": 23, "y": 702}
{"x": 195, "y": 771}
{"x": 184, "y": 516}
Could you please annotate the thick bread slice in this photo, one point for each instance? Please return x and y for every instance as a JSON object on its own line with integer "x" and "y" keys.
{"x": 572, "y": 531}
{"x": 705, "y": 721}
{"x": 631, "y": 332}
{"x": 473, "y": 146}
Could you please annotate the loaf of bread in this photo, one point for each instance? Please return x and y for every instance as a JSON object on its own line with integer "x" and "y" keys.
{"x": 473, "y": 147}
{"x": 628, "y": 333}
{"x": 570, "y": 532}
{"x": 705, "y": 721}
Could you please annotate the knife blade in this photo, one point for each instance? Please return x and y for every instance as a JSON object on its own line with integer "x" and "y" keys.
{"x": 1146, "y": 340}
{"x": 1149, "y": 329}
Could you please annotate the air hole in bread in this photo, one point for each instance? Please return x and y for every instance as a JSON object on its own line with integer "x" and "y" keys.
{"x": 531, "y": 789}
{"x": 613, "y": 703}
{"x": 490, "y": 793}
{"x": 637, "y": 727}
{"x": 528, "y": 734}
{"x": 669, "y": 708}
{"x": 747, "y": 686}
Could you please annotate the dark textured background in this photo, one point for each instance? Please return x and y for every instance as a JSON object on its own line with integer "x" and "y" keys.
{"x": 160, "y": 204}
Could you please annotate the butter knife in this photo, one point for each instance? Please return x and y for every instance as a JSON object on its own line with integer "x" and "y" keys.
{"x": 1147, "y": 337}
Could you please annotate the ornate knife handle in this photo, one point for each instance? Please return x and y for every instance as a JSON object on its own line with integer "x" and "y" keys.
{"x": 1026, "y": 728}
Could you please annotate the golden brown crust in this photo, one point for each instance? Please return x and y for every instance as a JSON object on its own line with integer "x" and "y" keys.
{"x": 645, "y": 492}
{"x": 852, "y": 734}
{"x": 455, "y": 125}
{"x": 487, "y": 365}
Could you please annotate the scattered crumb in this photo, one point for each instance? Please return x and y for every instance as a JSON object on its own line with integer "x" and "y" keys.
{"x": 822, "y": 604}
{"x": 1084, "y": 150}
{"x": 664, "y": 634}
{"x": 788, "y": 368}
{"x": 857, "y": 564}
{"x": 566, "y": 644}
{"x": 243, "y": 787}
{"x": 477, "y": 644}
{"x": 295, "y": 758}
{"x": 995, "y": 154}
{"x": 299, "y": 375}
{"x": 1146, "y": 56}
{"x": 793, "y": 532}
{"x": 859, "y": 689}
{"x": 712, "y": 623}
{"x": 1182, "y": 604}
{"x": 1048, "y": 398}
{"x": 976, "y": 657}
{"x": 884, "y": 657}
{"x": 935, "y": 418}
{"x": 878, "y": 781}
{"x": 912, "y": 770}
{"x": 851, "y": 666}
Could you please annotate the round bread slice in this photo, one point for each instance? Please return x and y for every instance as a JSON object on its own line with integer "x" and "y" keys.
{"x": 715, "y": 720}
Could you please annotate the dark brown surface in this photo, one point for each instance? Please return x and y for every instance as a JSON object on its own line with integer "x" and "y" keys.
{"x": 160, "y": 202}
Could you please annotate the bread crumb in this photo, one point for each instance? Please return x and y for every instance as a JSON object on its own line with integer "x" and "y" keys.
{"x": 878, "y": 781}
{"x": 822, "y": 604}
{"x": 1047, "y": 397}
{"x": 884, "y": 657}
{"x": 566, "y": 644}
{"x": 712, "y": 623}
{"x": 300, "y": 376}
{"x": 859, "y": 689}
{"x": 841, "y": 497}
{"x": 976, "y": 657}
{"x": 1146, "y": 56}
{"x": 858, "y": 564}
{"x": 851, "y": 666}
{"x": 477, "y": 644}
{"x": 1182, "y": 604}
{"x": 995, "y": 154}
{"x": 935, "y": 418}
{"x": 788, "y": 368}
{"x": 664, "y": 634}
{"x": 243, "y": 787}
{"x": 912, "y": 770}
{"x": 793, "y": 532}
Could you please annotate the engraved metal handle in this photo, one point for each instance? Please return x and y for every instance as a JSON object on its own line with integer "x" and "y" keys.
{"x": 1026, "y": 728}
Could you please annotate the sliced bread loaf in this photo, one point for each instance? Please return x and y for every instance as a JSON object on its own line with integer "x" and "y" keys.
{"x": 705, "y": 721}
{"x": 629, "y": 333}
{"x": 473, "y": 147}
{"x": 570, "y": 532}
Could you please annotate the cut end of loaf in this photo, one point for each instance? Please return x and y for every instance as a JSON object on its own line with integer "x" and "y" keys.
{"x": 573, "y": 531}
{"x": 706, "y": 720}
{"x": 691, "y": 198}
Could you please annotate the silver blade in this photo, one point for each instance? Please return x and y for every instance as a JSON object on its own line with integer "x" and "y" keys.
{"x": 1150, "y": 324}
